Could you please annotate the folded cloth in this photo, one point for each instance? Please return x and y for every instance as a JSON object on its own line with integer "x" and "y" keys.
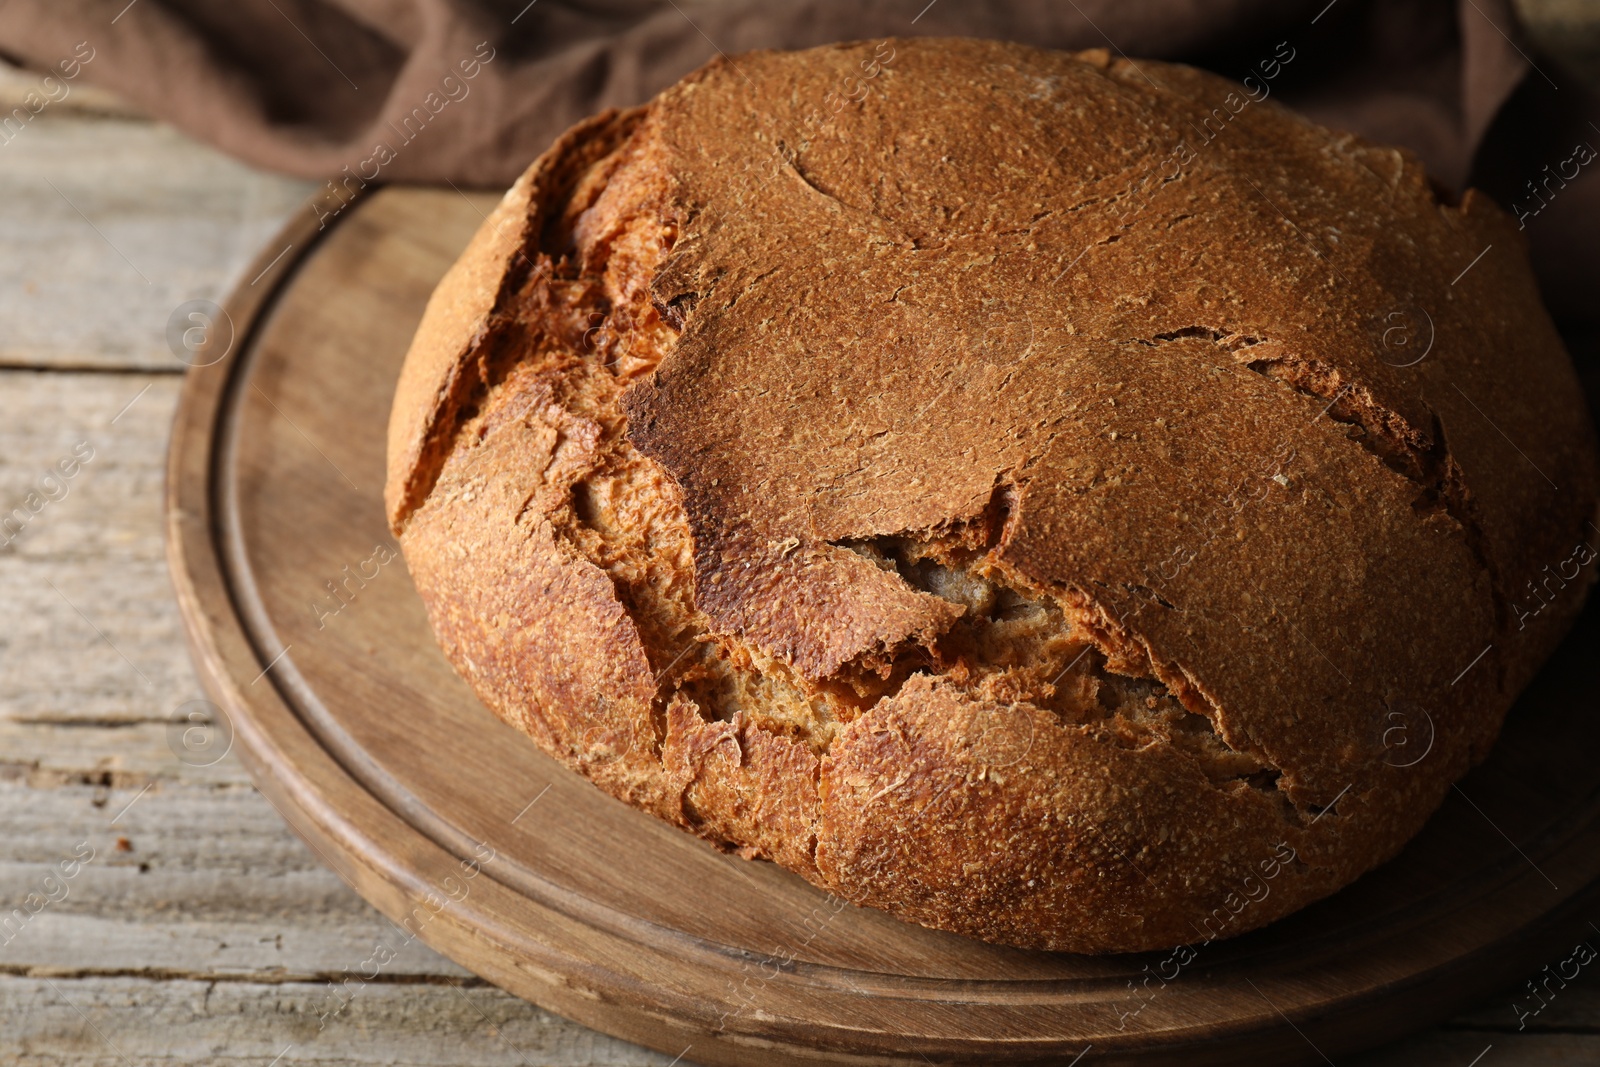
{"x": 470, "y": 91}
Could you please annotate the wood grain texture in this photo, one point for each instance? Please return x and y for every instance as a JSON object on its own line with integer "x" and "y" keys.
{"x": 87, "y": 585}
{"x": 134, "y": 213}
{"x": 237, "y": 1023}
{"x": 188, "y": 872}
{"x": 376, "y": 752}
{"x": 88, "y": 697}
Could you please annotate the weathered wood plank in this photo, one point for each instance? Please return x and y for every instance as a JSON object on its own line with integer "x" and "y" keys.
{"x": 111, "y": 224}
{"x": 178, "y": 879}
{"x": 195, "y": 928}
{"x": 45, "y": 1022}
{"x": 91, "y": 632}
{"x": 124, "y": 755}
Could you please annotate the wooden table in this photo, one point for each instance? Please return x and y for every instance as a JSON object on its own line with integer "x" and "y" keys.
{"x": 195, "y": 928}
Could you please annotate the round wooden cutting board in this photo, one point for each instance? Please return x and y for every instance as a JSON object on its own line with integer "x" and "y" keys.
{"x": 470, "y": 838}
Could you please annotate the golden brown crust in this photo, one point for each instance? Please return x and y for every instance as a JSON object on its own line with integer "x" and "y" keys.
{"x": 446, "y": 366}
{"x": 1008, "y": 501}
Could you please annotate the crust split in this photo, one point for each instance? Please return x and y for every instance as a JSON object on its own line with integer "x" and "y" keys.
{"x": 917, "y": 507}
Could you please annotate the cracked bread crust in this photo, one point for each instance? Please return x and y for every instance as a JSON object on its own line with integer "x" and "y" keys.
{"x": 996, "y": 501}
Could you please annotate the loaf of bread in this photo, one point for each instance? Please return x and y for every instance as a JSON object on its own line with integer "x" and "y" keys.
{"x": 1072, "y": 502}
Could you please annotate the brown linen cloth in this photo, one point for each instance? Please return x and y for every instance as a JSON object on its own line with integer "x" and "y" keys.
{"x": 470, "y": 91}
